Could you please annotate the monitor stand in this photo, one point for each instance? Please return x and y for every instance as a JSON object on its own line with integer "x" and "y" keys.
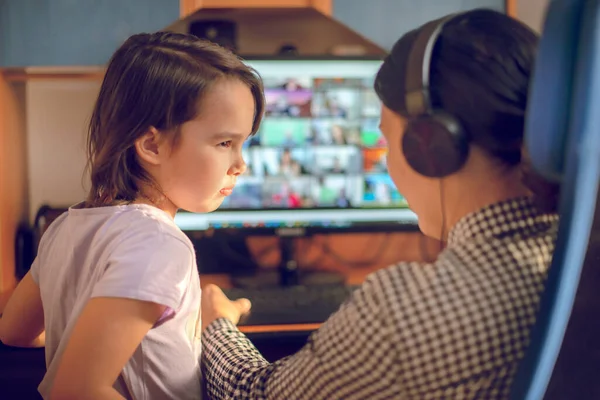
{"x": 287, "y": 273}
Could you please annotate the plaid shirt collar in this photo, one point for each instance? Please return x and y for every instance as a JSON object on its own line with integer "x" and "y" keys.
{"x": 513, "y": 217}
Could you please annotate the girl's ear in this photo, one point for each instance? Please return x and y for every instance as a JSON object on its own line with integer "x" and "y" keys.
{"x": 148, "y": 146}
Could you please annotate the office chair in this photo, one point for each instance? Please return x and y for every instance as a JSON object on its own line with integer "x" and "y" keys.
{"x": 563, "y": 139}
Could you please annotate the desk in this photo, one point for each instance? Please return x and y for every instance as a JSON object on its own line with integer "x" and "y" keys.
{"x": 353, "y": 277}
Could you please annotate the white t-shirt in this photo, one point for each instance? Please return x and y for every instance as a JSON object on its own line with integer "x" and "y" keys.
{"x": 131, "y": 251}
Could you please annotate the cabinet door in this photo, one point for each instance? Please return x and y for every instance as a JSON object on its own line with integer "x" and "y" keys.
{"x": 189, "y": 6}
{"x": 75, "y": 32}
{"x": 384, "y": 21}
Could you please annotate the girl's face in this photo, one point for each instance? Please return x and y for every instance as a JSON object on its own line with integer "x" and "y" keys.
{"x": 201, "y": 168}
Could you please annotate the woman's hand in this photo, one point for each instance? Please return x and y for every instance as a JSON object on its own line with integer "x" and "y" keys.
{"x": 216, "y": 305}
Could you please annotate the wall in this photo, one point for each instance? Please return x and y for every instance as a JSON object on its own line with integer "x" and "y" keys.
{"x": 373, "y": 18}
{"x": 75, "y": 32}
{"x": 57, "y": 115}
{"x": 532, "y": 12}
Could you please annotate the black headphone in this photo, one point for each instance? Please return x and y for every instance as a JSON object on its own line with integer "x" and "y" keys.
{"x": 434, "y": 142}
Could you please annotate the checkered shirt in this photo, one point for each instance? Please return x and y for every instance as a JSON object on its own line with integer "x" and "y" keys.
{"x": 453, "y": 329}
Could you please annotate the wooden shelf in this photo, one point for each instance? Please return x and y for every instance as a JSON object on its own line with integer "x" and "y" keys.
{"x": 52, "y": 73}
{"x": 188, "y": 7}
{"x": 511, "y": 8}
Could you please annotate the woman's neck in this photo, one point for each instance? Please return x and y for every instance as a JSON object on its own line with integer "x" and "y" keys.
{"x": 469, "y": 196}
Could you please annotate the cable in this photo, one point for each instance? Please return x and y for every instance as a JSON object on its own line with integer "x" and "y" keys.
{"x": 443, "y": 228}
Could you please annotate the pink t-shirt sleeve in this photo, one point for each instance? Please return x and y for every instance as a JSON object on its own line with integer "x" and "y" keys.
{"x": 148, "y": 266}
{"x": 42, "y": 247}
{"x": 35, "y": 271}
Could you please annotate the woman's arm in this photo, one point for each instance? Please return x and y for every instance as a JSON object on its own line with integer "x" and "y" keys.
{"x": 22, "y": 322}
{"x": 352, "y": 356}
{"x": 103, "y": 339}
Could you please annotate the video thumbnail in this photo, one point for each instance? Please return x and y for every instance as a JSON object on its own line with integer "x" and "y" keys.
{"x": 336, "y": 98}
{"x": 374, "y": 160}
{"x": 379, "y": 190}
{"x": 334, "y": 132}
{"x": 370, "y": 134}
{"x": 371, "y": 106}
{"x": 324, "y": 84}
{"x": 282, "y": 162}
{"x": 336, "y": 191}
{"x": 287, "y": 98}
{"x": 336, "y": 160}
{"x": 280, "y": 192}
{"x": 284, "y": 132}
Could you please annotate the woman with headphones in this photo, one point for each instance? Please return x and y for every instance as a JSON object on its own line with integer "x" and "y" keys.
{"x": 454, "y": 96}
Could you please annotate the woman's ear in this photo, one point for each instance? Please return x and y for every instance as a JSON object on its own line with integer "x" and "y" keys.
{"x": 148, "y": 146}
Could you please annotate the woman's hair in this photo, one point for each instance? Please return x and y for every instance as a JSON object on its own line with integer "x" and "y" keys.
{"x": 481, "y": 68}
{"x": 153, "y": 80}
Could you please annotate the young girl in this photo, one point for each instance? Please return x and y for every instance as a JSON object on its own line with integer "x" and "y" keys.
{"x": 115, "y": 282}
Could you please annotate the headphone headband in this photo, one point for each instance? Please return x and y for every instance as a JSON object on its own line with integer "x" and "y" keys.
{"x": 417, "y": 97}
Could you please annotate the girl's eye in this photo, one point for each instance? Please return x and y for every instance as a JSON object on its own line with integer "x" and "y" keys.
{"x": 225, "y": 144}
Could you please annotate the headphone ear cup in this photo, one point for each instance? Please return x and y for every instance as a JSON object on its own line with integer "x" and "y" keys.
{"x": 435, "y": 145}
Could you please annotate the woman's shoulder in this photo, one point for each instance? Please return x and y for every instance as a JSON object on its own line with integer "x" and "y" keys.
{"x": 398, "y": 282}
{"x": 477, "y": 270}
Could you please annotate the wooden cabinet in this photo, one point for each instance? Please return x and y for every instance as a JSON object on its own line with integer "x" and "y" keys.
{"x": 189, "y": 6}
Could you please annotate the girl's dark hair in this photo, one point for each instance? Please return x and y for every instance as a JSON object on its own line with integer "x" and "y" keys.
{"x": 480, "y": 72}
{"x": 153, "y": 80}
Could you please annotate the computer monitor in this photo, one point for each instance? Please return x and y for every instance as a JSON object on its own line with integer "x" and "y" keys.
{"x": 317, "y": 163}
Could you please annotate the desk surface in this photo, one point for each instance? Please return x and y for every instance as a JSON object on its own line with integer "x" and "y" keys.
{"x": 353, "y": 277}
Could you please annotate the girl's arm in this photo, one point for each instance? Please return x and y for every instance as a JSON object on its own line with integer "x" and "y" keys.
{"x": 103, "y": 339}
{"x": 22, "y": 322}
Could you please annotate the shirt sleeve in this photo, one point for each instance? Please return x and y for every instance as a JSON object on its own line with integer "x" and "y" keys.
{"x": 350, "y": 357}
{"x": 149, "y": 266}
{"x": 34, "y": 270}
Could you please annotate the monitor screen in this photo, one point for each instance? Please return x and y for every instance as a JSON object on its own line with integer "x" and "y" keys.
{"x": 318, "y": 159}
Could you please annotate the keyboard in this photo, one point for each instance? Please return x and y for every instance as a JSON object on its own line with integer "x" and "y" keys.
{"x": 291, "y": 305}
